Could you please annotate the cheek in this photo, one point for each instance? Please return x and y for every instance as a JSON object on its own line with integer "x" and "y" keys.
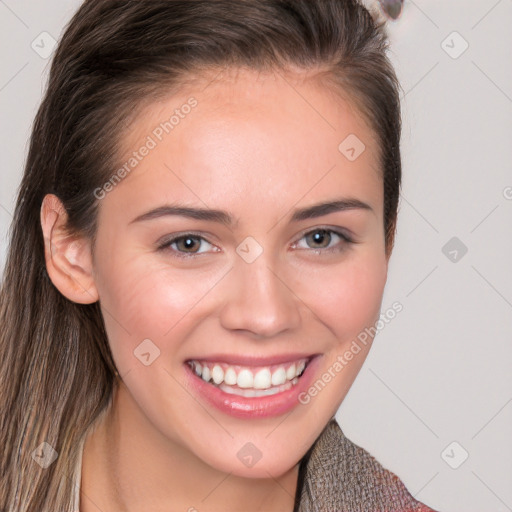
{"x": 143, "y": 300}
{"x": 347, "y": 301}
{"x": 347, "y": 297}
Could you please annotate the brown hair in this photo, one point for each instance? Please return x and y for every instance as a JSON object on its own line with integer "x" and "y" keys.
{"x": 56, "y": 369}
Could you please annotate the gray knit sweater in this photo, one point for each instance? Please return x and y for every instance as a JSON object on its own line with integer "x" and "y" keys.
{"x": 336, "y": 475}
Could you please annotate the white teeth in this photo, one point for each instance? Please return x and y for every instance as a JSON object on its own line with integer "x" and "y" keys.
{"x": 230, "y": 377}
{"x": 217, "y": 374}
{"x": 279, "y": 377}
{"x": 262, "y": 380}
{"x": 245, "y": 379}
{"x": 290, "y": 373}
{"x": 206, "y": 374}
{"x": 251, "y": 393}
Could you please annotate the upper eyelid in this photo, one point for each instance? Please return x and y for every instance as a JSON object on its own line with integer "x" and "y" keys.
{"x": 337, "y": 230}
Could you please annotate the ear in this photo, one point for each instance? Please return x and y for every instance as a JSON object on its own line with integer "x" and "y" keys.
{"x": 68, "y": 257}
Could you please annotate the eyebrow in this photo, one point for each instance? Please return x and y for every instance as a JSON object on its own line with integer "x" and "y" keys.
{"x": 223, "y": 217}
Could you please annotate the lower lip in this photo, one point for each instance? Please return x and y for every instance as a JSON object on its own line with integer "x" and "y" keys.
{"x": 253, "y": 407}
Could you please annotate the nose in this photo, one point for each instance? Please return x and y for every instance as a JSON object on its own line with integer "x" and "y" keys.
{"x": 259, "y": 300}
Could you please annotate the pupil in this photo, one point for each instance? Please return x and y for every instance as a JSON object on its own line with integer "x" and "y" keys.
{"x": 319, "y": 236}
{"x": 188, "y": 242}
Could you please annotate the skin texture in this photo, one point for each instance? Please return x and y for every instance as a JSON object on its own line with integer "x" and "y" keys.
{"x": 258, "y": 146}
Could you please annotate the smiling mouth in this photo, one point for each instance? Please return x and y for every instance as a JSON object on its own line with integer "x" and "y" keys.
{"x": 250, "y": 381}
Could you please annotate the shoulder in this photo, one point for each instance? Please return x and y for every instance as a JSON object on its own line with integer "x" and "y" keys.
{"x": 339, "y": 475}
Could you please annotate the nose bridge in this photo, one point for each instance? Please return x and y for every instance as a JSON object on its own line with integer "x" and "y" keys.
{"x": 260, "y": 301}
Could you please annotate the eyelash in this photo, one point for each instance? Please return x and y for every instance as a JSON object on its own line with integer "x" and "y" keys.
{"x": 177, "y": 254}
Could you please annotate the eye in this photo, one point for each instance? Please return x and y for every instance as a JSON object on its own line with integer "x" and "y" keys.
{"x": 321, "y": 239}
{"x": 188, "y": 245}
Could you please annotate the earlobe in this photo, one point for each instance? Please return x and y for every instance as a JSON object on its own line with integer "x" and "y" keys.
{"x": 68, "y": 257}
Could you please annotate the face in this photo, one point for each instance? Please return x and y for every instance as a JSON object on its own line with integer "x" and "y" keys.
{"x": 250, "y": 294}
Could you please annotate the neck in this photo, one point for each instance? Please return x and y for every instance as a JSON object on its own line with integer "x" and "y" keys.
{"x": 129, "y": 466}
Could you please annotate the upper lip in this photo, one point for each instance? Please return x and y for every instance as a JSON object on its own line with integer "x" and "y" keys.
{"x": 245, "y": 360}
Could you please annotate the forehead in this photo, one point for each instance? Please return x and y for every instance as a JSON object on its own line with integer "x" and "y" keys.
{"x": 269, "y": 136}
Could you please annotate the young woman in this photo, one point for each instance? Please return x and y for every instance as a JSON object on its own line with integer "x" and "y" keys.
{"x": 201, "y": 236}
